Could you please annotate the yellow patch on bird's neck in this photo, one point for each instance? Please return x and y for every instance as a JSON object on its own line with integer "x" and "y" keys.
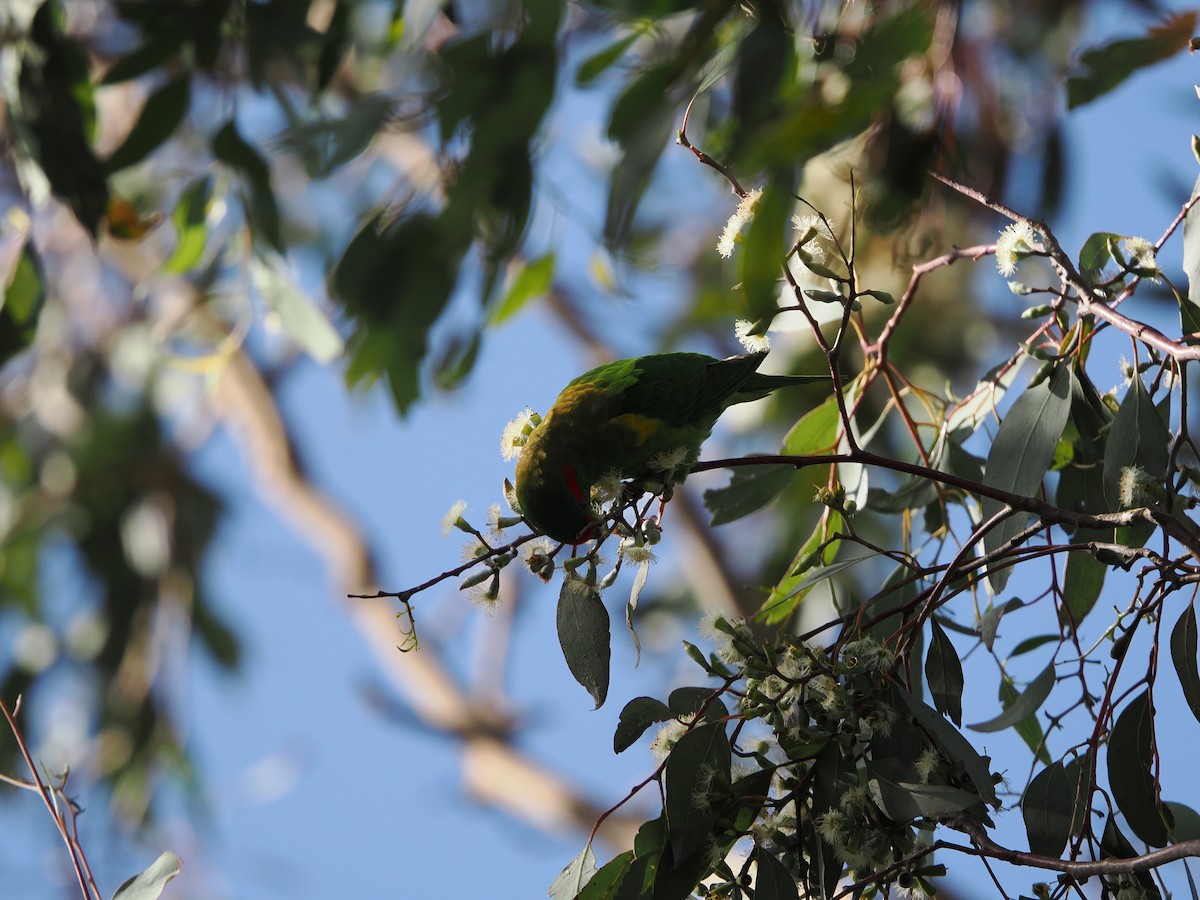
{"x": 642, "y": 426}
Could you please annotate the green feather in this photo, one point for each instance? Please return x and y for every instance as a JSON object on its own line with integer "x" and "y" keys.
{"x": 621, "y": 417}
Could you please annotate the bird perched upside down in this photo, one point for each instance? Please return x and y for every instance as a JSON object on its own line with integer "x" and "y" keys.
{"x": 641, "y": 418}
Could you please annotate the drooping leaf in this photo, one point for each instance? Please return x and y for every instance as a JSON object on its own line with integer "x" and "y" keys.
{"x": 1139, "y": 438}
{"x": 1183, "y": 655}
{"x": 953, "y": 745}
{"x": 231, "y": 148}
{"x": 749, "y": 490}
{"x": 1027, "y": 704}
{"x": 156, "y": 123}
{"x": 895, "y": 785}
{"x": 638, "y": 715}
{"x": 1048, "y": 806}
{"x": 149, "y": 884}
{"x": 774, "y": 881}
{"x": 572, "y": 879}
{"x": 1082, "y": 583}
{"x": 599, "y": 63}
{"x": 583, "y": 633}
{"x": 697, "y": 776}
{"x": 1189, "y": 306}
{"x": 944, "y": 674}
{"x": 759, "y": 258}
{"x": 1114, "y": 845}
{"x": 1029, "y": 728}
{"x": 21, "y": 303}
{"x": 1105, "y": 68}
{"x": 1131, "y": 773}
{"x": 1021, "y": 454}
{"x": 989, "y": 622}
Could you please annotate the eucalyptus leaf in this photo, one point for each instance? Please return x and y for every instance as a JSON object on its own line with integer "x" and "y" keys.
{"x": 583, "y": 633}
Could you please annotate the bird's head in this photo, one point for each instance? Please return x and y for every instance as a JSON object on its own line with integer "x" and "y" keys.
{"x": 554, "y": 500}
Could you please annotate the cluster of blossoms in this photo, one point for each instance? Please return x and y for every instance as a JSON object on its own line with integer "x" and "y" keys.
{"x": 810, "y": 698}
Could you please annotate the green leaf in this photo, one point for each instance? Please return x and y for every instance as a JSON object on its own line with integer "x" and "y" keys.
{"x": 641, "y": 124}
{"x": 1049, "y": 809}
{"x": 572, "y": 879}
{"x": 774, "y": 881}
{"x": 1115, "y": 845}
{"x": 944, "y": 674}
{"x": 606, "y": 883}
{"x": 1187, "y": 823}
{"x": 160, "y": 116}
{"x": 815, "y": 432}
{"x": 1032, "y": 643}
{"x": 599, "y": 63}
{"x": 989, "y": 622}
{"x": 1097, "y": 253}
{"x": 953, "y": 745}
{"x": 638, "y": 715}
{"x": 1104, "y": 68}
{"x": 1189, "y": 306}
{"x": 1021, "y": 454}
{"x": 1138, "y": 438}
{"x": 749, "y": 490}
{"x": 685, "y": 701}
{"x": 762, "y": 254}
{"x": 785, "y": 597}
{"x": 897, "y": 788}
{"x": 1183, "y": 654}
{"x": 531, "y": 282}
{"x": 1082, "y": 584}
{"x": 149, "y": 884}
{"x": 300, "y": 318}
{"x": 583, "y": 633}
{"x": 1029, "y": 729}
{"x": 1026, "y": 705}
{"x": 232, "y": 149}
{"x": 1131, "y": 773}
{"x": 24, "y": 294}
{"x": 190, "y": 218}
{"x": 697, "y": 775}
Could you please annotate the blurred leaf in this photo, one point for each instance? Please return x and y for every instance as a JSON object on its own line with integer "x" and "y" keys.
{"x": 334, "y": 42}
{"x": 640, "y": 123}
{"x": 944, "y": 674}
{"x": 190, "y": 218}
{"x": 299, "y": 317}
{"x": 159, "y": 46}
{"x": 149, "y": 884}
{"x": 1183, "y": 654}
{"x": 1021, "y": 454}
{"x": 394, "y": 281}
{"x": 1032, "y": 643}
{"x": 326, "y": 144}
{"x": 599, "y": 63}
{"x": 1131, "y": 773}
{"x": 761, "y": 258}
{"x": 262, "y": 211}
{"x": 749, "y": 490}
{"x": 583, "y": 633}
{"x": 160, "y": 116}
{"x": 697, "y": 777}
{"x": 54, "y": 116}
{"x": 532, "y": 281}
{"x": 1104, "y": 68}
{"x": 1026, "y": 705}
{"x": 21, "y": 304}
{"x": 638, "y": 715}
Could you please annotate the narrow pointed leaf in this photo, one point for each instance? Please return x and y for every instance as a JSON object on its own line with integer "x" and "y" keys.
{"x": 1021, "y": 454}
{"x": 1183, "y": 654}
{"x": 1131, "y": 773}
{"x": 583, "y": 633}
{"x": 1027, "y": 704}
{"x": 944, "y": 674}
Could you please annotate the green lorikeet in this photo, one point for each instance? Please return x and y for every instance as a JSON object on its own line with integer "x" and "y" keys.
{"x": 639, "y": 418}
